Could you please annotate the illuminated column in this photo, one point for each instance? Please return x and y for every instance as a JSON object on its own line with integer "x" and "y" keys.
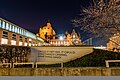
{"x": 23, "y": 40}
{"x": 28, "y": 41}
{"x": 17, "y": 40}
{"x": 9, "y": 38}
{"x": 0, "y": 35}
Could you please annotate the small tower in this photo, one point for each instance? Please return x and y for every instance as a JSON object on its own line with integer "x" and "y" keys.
{"x": 75, "y": 38}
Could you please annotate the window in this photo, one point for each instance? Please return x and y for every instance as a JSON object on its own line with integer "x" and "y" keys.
{"x": 3, "y": 26}
{"x": 13, "y": 28}
{"x": 18, "y": 30}
{"x": 14, "y": 37}
{"x": 73, "y": 36}
{"x": 10, "y": 27}
{"x": 25, "y": 39}
{"x": 20, "y": 38}
{"x": 21, "y": 31}
{"x": 30, "y": 40}
{"x": 5, "y": 35}
{"x": 7, "y": 26}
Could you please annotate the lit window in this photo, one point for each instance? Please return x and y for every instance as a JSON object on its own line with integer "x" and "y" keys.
{"x": 25, "y": 33}
{"x": 5, "y": 35}
{"x": 3, "y": 26}
{"x": 25, "y": 39}
{"x": 13, "y": 36}
{"x": 73, "y": 36}
{"x": 59, "y": 43}
{"x": 4, "y": 41}
{"x": 30, "y": 40}
{"x": 22, "y": 32}
{"x": 13, "y": 28}
{"x": 56, "y": 42}
{"x": 18, "y": 30}
{"x": 51, "y": 42}
{"x": 13, "y": 42}
{"x": 10, "y": 27}
{"x": 7, "y": 26}
{"x": 20, "y": 38}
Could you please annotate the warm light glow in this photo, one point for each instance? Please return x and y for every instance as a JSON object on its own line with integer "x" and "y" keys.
{"x": 25, "y": 44}
{"x": 59, "y": 43}
{"x": 20, "y": 43}
{"x": 30, "y": 44}
{"x": 39, "y": 44}
{"x": 51, "y": 42}
{"x": 33, "y": 44}
{"x": 73, "y": 36}
{"x": 13, "y": 42}
{"x": 4, "y": 41}
{"x": 30, "y": 39}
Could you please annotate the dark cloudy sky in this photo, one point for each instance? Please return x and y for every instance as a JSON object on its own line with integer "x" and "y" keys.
{"x": 32, "y": 14}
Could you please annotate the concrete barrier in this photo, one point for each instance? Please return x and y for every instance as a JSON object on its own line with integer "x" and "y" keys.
{"x": 58, "y": 54}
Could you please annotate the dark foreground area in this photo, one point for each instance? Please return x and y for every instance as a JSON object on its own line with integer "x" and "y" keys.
{"x": 95, "y": 59}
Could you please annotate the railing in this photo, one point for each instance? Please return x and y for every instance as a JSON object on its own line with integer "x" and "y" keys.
{"x": 6, "y": 64}
{"x": 12, "y": 65}
{"x": 107, "y": 62}
{"x": 24, "y": 63}
{"x": 49, "y": 63}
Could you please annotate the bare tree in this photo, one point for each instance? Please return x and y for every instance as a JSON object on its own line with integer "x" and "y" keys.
{"x": 101, "y": 18}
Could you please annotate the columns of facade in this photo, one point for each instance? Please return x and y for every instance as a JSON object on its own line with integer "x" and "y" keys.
{"x": 17, "y": 40}
{"x": 23, "y": 41}
{"x": 27, "y": 41}
{"x": 9, "y": 38}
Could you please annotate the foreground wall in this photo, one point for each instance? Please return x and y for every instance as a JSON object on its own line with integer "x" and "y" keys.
{"x": 58, "y": 54}
{"x": 60, "y": 71}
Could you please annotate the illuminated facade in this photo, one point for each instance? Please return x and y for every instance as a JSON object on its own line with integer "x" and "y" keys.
{"x": 114, "y": 42}
{"x": 46, "y": 32}
{"x": 67, "y": 40}
{"x": 11, "y": 34}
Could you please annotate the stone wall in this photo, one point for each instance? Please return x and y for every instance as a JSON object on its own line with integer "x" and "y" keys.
{"x": 88, "y": 71}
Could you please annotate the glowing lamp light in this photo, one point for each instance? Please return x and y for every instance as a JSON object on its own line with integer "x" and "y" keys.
{"x": 73, "y": 36}
{"x": 61, "y": 38}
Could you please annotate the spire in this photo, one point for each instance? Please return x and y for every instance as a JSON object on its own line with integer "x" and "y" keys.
{"x": 48, "y": 23}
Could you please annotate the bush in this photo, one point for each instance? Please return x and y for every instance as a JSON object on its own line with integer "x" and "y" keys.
{"x": 95, "y": 59}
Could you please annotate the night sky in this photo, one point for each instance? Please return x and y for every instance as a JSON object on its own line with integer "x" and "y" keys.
{"x": 32, "y": 14}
